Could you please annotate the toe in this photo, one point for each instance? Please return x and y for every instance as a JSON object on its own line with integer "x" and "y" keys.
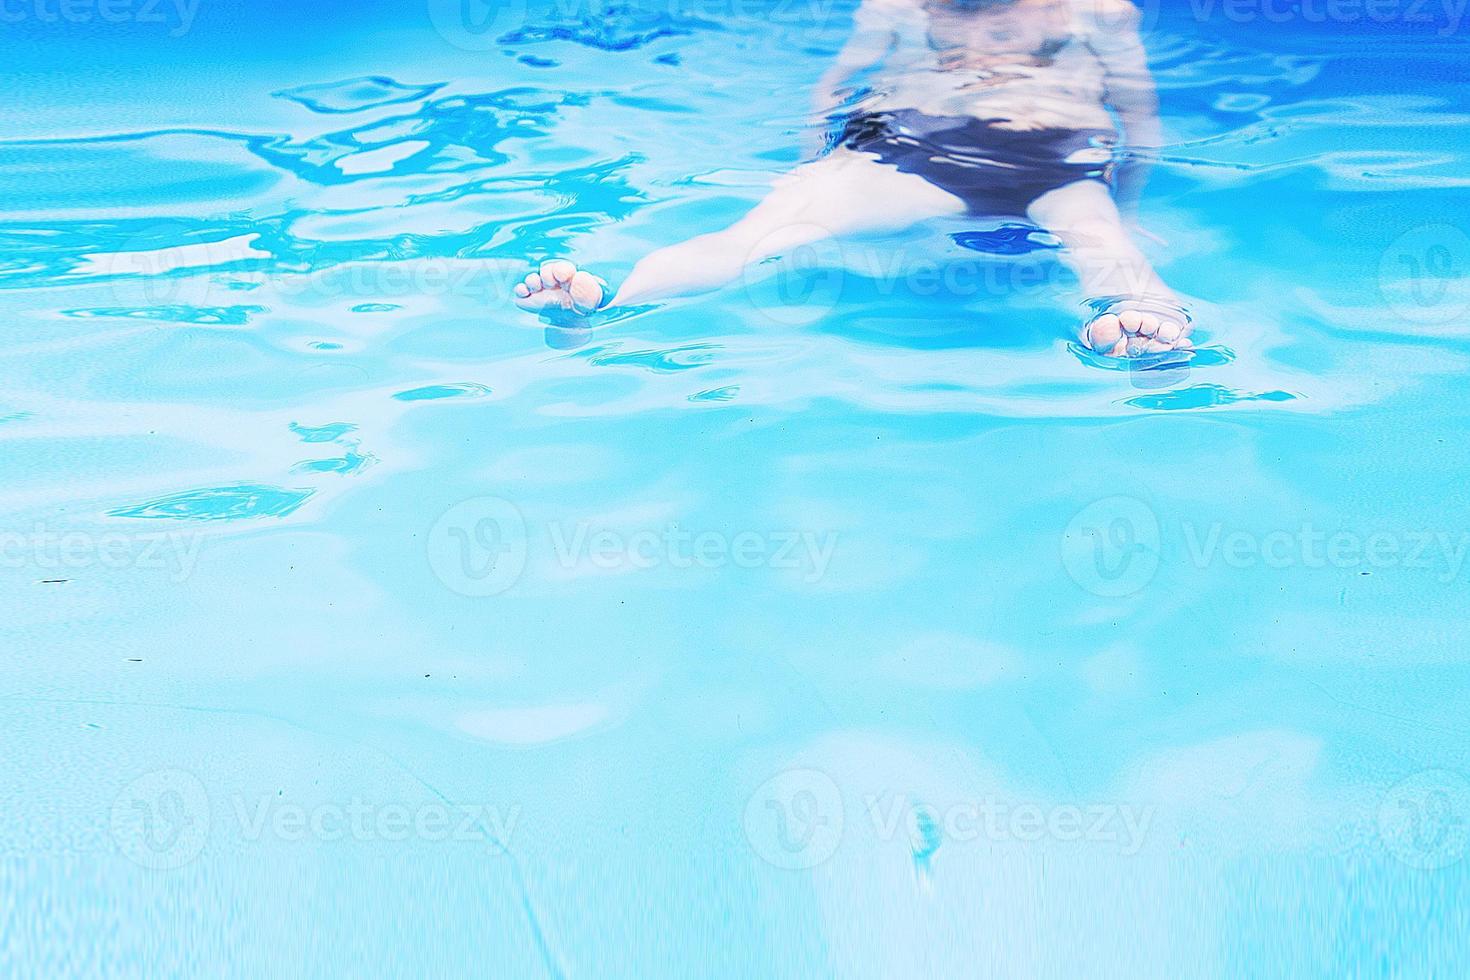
{"x": 1150, "y": 325}
{"x": 522, "y": 290}
{"x": 587, "y": 293}
{"x": 1168, "y": 332}
{"x": 1104, "y": 332}
{"x": 1132, "y": 321}
{"x": 556, "y": 272}
{"x": 533, "y": 282}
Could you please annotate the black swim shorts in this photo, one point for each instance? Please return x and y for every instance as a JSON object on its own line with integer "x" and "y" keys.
{"x": 996, "y": 172}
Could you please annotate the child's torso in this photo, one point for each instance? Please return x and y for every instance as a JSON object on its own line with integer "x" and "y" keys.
{"x": 1020, "y": 60}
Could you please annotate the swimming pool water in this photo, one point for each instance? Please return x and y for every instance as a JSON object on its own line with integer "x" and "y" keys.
{"x": 845, "y": 622}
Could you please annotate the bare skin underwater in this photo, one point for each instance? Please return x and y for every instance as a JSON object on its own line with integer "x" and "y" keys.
{"x": 993, "y": 108}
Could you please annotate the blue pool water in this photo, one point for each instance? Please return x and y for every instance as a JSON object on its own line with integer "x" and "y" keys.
{"x": 838, "y": 623}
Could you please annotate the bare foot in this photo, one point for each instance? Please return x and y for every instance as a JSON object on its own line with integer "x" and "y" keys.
{"x": 560, "y": 285}
{"x": 1130, "y": 331}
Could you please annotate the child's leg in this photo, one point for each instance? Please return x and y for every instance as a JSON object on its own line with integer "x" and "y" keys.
{"x": 1146, "y": 316}
{"x": 845, "y": 193}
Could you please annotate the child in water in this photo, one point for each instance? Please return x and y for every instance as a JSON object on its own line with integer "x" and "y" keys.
{"x": 993, "y": 108}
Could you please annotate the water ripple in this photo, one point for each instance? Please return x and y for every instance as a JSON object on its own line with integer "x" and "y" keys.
{"x": 230, "y": 316}
{"x": 616, "y": 27}
{"x": 238, "y": 502}
{"x": 323, "y": 433}
{"x": 681, "y": 358}
{"x": 467, "y": 389}
{"x": 724, "y": 394}
{"x": 1204, "y": 396}
{"x": 348, "y": 464}
{"x": 356, "y": 94}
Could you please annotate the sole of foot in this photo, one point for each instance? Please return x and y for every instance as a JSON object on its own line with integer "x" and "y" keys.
{"x": 1132, "y": 333}
{"x": 560, "y": 285}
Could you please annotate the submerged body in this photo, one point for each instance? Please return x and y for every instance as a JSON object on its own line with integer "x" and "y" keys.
{"x": 996, "y": 171}
{"x": 996, "y": 108}
{"x": 1022, "y": 64}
